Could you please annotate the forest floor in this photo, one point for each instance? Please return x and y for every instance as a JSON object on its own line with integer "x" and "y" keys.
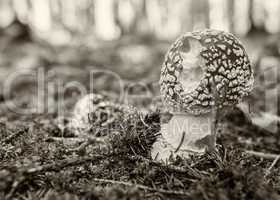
{"x": 39, "y": 160}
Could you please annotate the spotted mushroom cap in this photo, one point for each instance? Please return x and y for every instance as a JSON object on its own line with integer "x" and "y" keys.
{"x": 203, "y": 69}
{"x": 96, "y": 110}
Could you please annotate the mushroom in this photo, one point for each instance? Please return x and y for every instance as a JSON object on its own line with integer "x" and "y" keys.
{"x": 95, "y": 111}
{"x": 203, "y": 71}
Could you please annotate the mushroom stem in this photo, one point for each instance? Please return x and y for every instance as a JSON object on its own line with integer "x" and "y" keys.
{"x": 185, "y": 134}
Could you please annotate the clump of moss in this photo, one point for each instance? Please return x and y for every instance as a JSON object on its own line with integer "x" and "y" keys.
{"x": 136, "y": 135}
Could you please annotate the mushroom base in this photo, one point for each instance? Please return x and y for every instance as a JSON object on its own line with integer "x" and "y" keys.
{"x": 184, "y": 135}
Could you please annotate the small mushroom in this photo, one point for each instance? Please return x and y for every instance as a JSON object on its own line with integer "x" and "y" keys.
{"x": 95, "y": 111}
{"x": 203, "y": 71}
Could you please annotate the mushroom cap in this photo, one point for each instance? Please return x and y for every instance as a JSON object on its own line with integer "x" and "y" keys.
{"x": 203, "y": 69}
{"x": 96, "y": 110}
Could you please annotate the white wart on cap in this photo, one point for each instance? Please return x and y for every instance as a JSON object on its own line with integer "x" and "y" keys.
{"x": 202, "y": 70}
{"x": 199, "y": 61}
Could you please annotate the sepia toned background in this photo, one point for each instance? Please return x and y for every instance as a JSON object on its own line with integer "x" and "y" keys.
{"x": 48, "y": 50}
{"x": 59, "y": 21}
{"x": 67, "y": 39}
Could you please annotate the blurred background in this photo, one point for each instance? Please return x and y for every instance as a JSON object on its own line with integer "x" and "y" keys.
{"x": 59, "y": 22}
{"x": 48, "y": 49}
{"x": 129, "y": 37}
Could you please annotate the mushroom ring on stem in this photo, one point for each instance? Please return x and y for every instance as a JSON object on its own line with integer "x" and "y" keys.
{"x": 203, "y": 71}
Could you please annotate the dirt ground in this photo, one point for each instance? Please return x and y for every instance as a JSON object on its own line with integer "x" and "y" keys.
{"x": 39, "y": 160}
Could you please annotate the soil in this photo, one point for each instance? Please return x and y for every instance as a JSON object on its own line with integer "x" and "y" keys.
{"x": 41, "y": 159}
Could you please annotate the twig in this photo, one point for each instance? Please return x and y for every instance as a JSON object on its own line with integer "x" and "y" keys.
{"x": 84, "y": 141}
{"x": 12, "y": 136}
{"x": 143, "y": 187}
{"x": 262, "y": 155}
{"x": 185, "y": 169}
{"x": 201, "y": 189}
{"x": 268, "y": 171}
{"x": 66, "y": 139}
{"x": 181, "y": 142}
{"x": 89, "y": 141}
{"x": 225, "y": 155}
{"x": 23, "y": 173}
{"x": 143, "y": 121}
{"x": 62, "y": 164}
{"x": 14, "y": 188}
